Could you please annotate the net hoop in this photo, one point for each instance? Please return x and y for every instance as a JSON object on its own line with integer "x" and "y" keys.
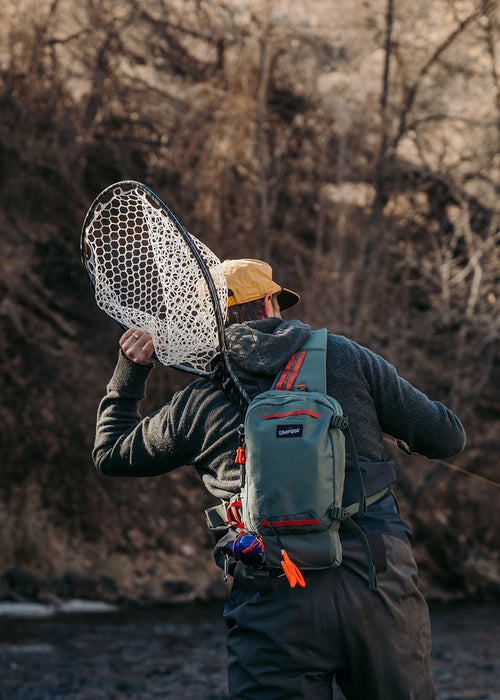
{"x": 149, "y": 273}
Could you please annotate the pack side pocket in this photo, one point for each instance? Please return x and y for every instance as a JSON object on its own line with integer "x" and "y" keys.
{"x": 318, "y": 550}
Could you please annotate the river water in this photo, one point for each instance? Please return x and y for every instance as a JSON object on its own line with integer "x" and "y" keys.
{"x": 179, "y": 653}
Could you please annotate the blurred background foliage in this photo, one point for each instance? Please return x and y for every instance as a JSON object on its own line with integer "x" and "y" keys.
{"x": 353, "y": 145}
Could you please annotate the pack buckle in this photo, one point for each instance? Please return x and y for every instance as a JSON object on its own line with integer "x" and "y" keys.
{"x": 339, "y": 513}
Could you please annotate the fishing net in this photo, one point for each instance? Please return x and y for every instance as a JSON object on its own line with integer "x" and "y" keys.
{"x": 145, "y": 276}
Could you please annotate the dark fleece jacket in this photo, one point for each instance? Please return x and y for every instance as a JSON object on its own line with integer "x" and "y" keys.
{"x": 199, "y": 425}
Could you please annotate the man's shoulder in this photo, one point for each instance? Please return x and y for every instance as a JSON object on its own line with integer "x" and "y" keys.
{"x": 344, "y": 351}
{"x": 342, "y": 343}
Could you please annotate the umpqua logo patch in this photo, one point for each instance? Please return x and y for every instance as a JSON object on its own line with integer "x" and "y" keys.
{"x": 289, "y": 431}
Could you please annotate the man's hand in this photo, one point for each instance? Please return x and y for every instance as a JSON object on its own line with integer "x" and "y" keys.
{"x": 137, "y": 346}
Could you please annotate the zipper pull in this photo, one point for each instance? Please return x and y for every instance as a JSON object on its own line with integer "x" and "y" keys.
{"x": 292, "y": 572}
{"x": 226, "y": 567}
{"x": 240, "y": 453}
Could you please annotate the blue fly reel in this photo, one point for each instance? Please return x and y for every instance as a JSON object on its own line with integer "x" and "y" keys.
{"x": 248, "y": 549}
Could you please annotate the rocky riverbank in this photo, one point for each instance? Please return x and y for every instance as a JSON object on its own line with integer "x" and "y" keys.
{"x": 82, "y": 653}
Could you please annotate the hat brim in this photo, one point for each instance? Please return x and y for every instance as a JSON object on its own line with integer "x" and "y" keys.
{"x": 287, "y": 298}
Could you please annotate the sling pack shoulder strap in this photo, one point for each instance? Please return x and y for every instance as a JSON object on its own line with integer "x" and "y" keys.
{"x": 310, "y": 362}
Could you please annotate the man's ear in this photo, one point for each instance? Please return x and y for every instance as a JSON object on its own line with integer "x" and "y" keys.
{"x": 269, "y": 310}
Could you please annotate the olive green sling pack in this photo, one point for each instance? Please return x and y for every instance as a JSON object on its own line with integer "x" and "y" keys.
{"x": 293, "y": 470}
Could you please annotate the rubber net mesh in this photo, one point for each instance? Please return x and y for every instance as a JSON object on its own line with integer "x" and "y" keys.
{"x": 145, "y": 276}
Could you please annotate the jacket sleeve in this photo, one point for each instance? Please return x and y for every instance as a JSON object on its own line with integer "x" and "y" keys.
{"x": 425, "y": 426}
{"x": 125, "y": 444}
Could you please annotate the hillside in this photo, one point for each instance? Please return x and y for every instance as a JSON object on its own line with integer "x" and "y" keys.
{"x": 353, "y": 145}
